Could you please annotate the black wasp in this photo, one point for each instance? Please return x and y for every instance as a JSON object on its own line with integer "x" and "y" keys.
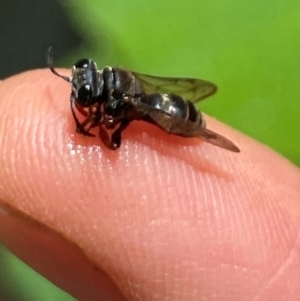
{"x": 111, "y": 98}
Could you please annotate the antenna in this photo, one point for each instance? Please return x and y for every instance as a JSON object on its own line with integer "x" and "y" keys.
{"x": 49, "y": 60}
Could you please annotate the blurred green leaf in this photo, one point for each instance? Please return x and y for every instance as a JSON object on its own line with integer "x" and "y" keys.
{"x": 19, "y": 282}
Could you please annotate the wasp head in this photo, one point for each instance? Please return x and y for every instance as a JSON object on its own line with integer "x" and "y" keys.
{"x": 86, "y": 80}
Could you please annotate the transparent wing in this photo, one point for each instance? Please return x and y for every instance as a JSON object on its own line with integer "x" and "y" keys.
{"x": 218, "y": 140}
{"x": 177, "y": 126}
{"x": 189, "y": 88}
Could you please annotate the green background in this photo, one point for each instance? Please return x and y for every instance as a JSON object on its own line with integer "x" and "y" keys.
{"x": 250, "y": 49}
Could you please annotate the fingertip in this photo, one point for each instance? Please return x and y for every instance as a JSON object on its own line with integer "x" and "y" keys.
{"x": 156, "y": 191}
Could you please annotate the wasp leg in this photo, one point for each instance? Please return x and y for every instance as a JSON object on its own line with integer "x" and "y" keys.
{"x": 81, "y": 109}
{"x": 116, "y": 136}
{"x": 92, "y": 120}
{"x": 103, "y": 134}
{"x": 114, "y": 141}
{"x": 79, "y": 128}
{"x": 86, "y": 126}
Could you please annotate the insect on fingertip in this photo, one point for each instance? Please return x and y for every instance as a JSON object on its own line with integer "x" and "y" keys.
{"x": 111, "y": 98}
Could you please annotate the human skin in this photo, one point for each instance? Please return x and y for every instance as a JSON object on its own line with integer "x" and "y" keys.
{"x": 162, "y": 218}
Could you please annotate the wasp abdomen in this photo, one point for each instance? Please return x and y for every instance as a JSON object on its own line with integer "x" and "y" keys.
{"x": 175, "y": 106}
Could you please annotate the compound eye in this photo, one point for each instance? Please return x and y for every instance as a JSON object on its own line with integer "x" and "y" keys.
{"x": 83, "y": 63}
{"x": 85, "y": 96}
